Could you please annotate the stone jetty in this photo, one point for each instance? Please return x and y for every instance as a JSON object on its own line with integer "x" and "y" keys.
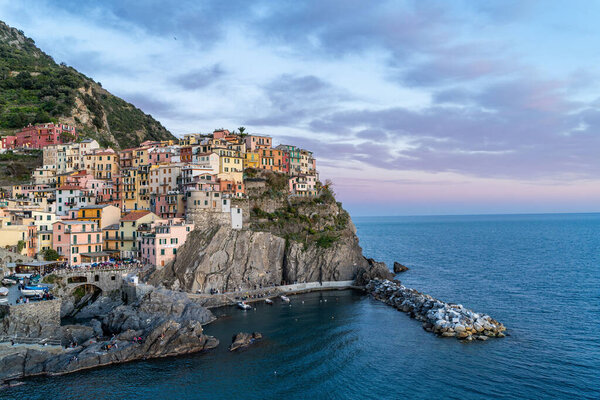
{"x": 443, "y": 319}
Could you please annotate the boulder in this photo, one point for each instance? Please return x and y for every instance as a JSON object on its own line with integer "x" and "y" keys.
{"x": 374, "y": 270}
{"x": 243, "y": 339}
{"x": 76, "y": 334}
{"x": 399, "y": 267}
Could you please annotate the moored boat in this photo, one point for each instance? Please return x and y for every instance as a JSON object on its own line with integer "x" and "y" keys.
{"x": 10, "y": 280}
{"x": 243, "y": 305}
{"x": 285, "y": 298}
{"x": 268, "y": 301}
{"x": 33, "y": 290}
{"x": 4, "y": 291}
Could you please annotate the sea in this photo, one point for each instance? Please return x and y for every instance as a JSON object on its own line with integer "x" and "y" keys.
{"x": 538, "y": 274}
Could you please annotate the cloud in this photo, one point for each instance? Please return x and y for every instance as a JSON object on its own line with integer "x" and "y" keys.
{"x": 293, "y": 99}
{"x": 200, "y": 78}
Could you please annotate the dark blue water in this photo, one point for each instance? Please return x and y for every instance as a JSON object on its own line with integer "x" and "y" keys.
{"x": 539, "y": 274}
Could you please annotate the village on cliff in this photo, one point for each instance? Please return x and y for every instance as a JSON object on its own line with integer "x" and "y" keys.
{"x": 88, "y": 205}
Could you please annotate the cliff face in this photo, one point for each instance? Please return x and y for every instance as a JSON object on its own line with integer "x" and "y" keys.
{"x": 301, "y": 242}
{"x": 35, "y": 89}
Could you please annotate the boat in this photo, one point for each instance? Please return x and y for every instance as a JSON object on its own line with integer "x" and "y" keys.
{"x": 285, "y": 298}
{"x": 268, "y": 301}
{"x": 243, "y": 305}
{"x": 10, "y": 280}
{"x": 33, "y": 290}
{"x": 4, "y": 291}
{"x": 4, "y": 300}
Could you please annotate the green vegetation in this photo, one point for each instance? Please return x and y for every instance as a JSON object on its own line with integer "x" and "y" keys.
{"x": 20, "y": 246}
{"x": 32, "y": 156}
{"x": 34, "y": 89}
{"x": 51, "y": 255}
{"x": 52, "y": 278}
{"x": 78, "y": 293}
{"x": 302, "y": 223}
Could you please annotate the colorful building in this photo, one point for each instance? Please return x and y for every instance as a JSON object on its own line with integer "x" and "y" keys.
{"x": 78, "y": 242}
{"x": 160, "y": 246}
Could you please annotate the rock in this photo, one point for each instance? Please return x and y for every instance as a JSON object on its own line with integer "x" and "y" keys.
{"x": 242, "y": 340}
{"x": 76, "y": 334}
{"x": 448, "y": 334}
{"x": 481, "y": 337}
{"x": 171, "y": 329}
{"x": 399, "y": 267}
{"x": 462, "y": 335}
{"x": 154, "y": 308}
{"x": 373, "y": 270}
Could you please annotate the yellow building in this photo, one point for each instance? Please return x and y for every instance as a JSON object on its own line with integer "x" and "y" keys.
{"x": 252, "y": 159}
{"x": 106, "y": 165}
{"x": 102, "y": 214}
{"x": 231, "y": 164}
{"x": 130, "y": 188}
{"x": 128, "y": 231}
{"x": 13, "y": 234}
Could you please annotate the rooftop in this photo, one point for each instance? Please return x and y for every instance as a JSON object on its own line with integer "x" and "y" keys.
{"x": 135, "y": 215}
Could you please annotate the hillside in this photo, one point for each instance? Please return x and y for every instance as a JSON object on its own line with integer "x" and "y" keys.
{"x": 35, "y": 89}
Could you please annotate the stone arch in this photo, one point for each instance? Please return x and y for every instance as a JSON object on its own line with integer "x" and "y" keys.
{"x": 82, "y": 295}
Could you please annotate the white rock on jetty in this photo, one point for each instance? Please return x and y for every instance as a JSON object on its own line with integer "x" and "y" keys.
{"x": 443, "y": 319}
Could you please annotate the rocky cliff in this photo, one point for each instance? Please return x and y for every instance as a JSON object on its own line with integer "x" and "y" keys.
{"x": 284, "y": 241}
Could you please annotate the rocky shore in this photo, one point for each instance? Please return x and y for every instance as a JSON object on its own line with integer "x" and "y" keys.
{"x": 443, "y": 319}
{"x": 162, "y": 323}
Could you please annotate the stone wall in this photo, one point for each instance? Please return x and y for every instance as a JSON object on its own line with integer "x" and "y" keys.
{"x": 36, "y": 319}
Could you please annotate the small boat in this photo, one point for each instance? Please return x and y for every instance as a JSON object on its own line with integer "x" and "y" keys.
{"x": 285, "y": 298}
{"x": 4, "y": 300}
{"x": 10, "y": 280}
{"x": 32, "y": 290}
{"x": 243, "y": 305}
{"x": 268, "y": 301}
{"x": 4, "y": 291}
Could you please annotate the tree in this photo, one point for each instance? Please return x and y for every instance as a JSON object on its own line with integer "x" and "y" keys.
{"x": 20, "y": 246}
{"x": 50, "y": 255}
{"x": 242, "y": 131}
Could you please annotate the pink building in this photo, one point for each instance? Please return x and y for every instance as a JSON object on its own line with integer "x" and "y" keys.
{"x": 39, "y": 136}
{"x": 160, "y": 246}
{"x": 160, "y": 155}
{"x": 78, "y": 242}
{"x": 254, "y": 142}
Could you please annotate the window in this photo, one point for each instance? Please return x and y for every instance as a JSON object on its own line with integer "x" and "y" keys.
{"x": 162, "y": 252}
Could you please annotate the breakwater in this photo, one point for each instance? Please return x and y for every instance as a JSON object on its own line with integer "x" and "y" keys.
{"x": 443, "y": 319}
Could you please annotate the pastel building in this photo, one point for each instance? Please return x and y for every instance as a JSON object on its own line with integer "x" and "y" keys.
{"x": 102, "y": 214}
{"x": 128, "y": 231}
{"x": 303, "y": 185}
{"x": 160, "y": 246}
{"x": 254, "y": 142}
{"x": 78, "y": 242}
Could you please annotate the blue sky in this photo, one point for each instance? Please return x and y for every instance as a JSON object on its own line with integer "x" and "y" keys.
{"x": 412, "y": 107}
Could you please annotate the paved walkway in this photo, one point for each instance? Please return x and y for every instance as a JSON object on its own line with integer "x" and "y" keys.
{"x": 220, "y": 299}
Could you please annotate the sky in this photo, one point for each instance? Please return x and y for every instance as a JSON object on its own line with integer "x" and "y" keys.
{"x": 411, "y": 107}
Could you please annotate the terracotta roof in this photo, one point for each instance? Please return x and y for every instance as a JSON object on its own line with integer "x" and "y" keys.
{"x": 135, "y": 215}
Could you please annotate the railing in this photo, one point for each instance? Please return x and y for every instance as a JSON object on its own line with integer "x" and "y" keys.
{"x": 29, "y": 340}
